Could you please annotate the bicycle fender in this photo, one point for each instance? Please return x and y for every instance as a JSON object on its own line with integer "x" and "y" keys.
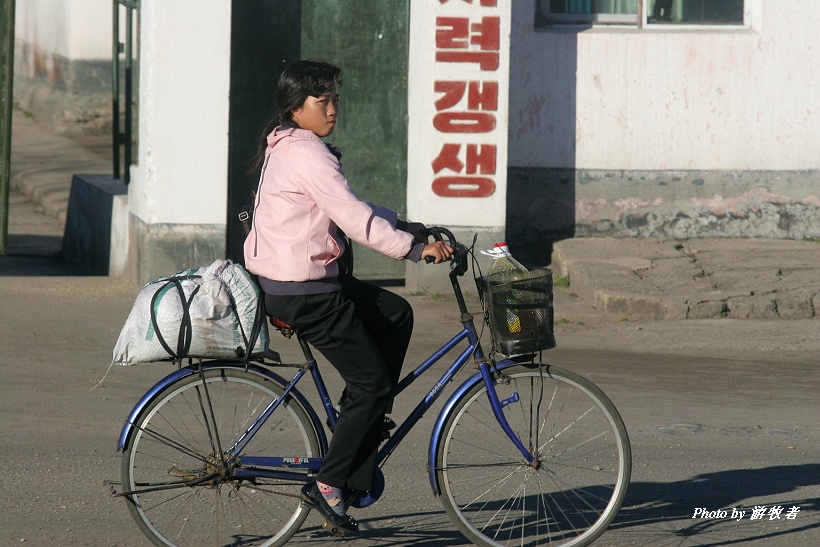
{"x": 128, "y": 427}
{"x": 444, "y": 415}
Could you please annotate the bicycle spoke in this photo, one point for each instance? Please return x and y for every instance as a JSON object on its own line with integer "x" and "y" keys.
{"x": 183, "y": 489}
{"x": 574, "y": 492}
{"x": 171, "y": 443}
{"x": 208, "y": 412}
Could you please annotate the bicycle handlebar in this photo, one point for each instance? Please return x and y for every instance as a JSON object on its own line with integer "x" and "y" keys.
{"x": 459, "y": 259}
{"x": 437, "y": 232}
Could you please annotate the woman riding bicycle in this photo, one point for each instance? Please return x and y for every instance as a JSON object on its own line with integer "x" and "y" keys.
{"x": 295, "y": 247}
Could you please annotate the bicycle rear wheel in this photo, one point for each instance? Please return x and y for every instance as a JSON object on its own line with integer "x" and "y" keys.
{"x": 181, "y": 438}
{"x": 496, "y": 498}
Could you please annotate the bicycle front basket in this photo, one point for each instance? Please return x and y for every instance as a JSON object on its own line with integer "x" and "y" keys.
{"x": 520, "y": 313}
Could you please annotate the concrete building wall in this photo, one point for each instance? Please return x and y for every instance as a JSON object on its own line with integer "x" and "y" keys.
{"x": 625, "y": 131}
{"x": 64, "y": 27}
{"x": 63, "y": 63}
{"x": 458, "y": 84}
{"x": 178, "y": 191}
{"x": 666, "y": 131}
{"x": 663, "y": 98}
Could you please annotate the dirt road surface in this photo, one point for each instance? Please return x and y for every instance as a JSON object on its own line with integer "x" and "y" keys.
{"x": 722, "y": 415}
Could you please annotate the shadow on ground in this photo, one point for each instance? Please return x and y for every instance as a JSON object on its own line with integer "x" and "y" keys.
{"x": 672, "y": 505}
{"x": 654, "y": 513}
{"x": 36, "y": 255}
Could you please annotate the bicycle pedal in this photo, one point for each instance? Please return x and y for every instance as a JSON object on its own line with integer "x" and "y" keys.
{"x": 387, "y": 426}
{"x": 335, "y": 530}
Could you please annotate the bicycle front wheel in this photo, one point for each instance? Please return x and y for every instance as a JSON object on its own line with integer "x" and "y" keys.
{"x": 177, "y": 465}
{"x": 583, "y": 465}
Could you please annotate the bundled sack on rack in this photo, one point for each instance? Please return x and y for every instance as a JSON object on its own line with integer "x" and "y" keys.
{"x": 207, "y": 312}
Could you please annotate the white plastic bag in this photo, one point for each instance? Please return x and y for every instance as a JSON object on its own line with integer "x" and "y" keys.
{"x": 208, "y": 312}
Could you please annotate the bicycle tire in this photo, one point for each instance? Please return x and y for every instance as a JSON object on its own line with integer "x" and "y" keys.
{"x": 177, "y": 438}
{"x": 496, "y": 498}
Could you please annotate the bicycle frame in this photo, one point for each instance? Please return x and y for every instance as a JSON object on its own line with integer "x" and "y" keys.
{"x": 275, "y": 467}
{"x": 468, "y": 333}
{"x": 230, "y": 445}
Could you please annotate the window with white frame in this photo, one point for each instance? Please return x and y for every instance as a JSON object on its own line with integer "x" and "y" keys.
{"x": 694, "y": 12}
{"x": 631, "y": 12}
{"x": 573, "y": 12}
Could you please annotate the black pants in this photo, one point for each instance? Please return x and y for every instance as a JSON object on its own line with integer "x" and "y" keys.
{"x": 363, "y": 331}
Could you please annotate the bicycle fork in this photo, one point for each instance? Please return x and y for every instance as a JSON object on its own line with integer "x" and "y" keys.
{"x": 498, "y": 410}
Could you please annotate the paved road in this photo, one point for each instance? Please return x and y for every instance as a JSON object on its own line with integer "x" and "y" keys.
{"x": 722, "y": 414}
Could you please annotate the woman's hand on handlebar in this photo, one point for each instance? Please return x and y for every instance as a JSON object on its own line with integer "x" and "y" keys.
{"x": 433, "y": 253}
{"x": 438, "y": 251}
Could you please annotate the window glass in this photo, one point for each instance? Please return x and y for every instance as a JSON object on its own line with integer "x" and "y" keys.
{"x": 662, "y": 12}
{"x": 695, "y": 12}
{"x": 587, "y": 11}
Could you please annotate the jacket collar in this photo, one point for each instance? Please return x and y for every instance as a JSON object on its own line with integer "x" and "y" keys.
{"x": 282, "y": 132}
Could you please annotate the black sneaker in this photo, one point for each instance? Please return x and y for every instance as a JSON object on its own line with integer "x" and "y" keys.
{"x": 387, "y": 426}
{"x": 334, "y": 523}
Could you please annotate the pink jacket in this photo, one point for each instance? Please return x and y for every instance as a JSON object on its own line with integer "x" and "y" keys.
{"x": 303, "y": 196}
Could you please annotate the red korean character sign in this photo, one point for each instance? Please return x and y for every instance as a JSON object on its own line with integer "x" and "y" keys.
{"x": 458, "y": 89}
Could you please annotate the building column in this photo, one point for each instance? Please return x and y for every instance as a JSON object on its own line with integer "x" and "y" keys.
{"x": 178, "y": 189}
{"x": 458, "y": 102}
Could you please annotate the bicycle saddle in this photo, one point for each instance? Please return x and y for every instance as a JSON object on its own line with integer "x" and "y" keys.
{"x": 281, "y": 326}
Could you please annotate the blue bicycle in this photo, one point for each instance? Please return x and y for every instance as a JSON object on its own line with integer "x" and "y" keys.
{"x": 522, "y": 453}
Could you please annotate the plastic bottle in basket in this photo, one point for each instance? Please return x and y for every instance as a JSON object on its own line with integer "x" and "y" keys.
{"x": 504, "y": 270}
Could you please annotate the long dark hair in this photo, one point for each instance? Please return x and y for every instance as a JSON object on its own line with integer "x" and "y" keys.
{"x": 298, "y": 81}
